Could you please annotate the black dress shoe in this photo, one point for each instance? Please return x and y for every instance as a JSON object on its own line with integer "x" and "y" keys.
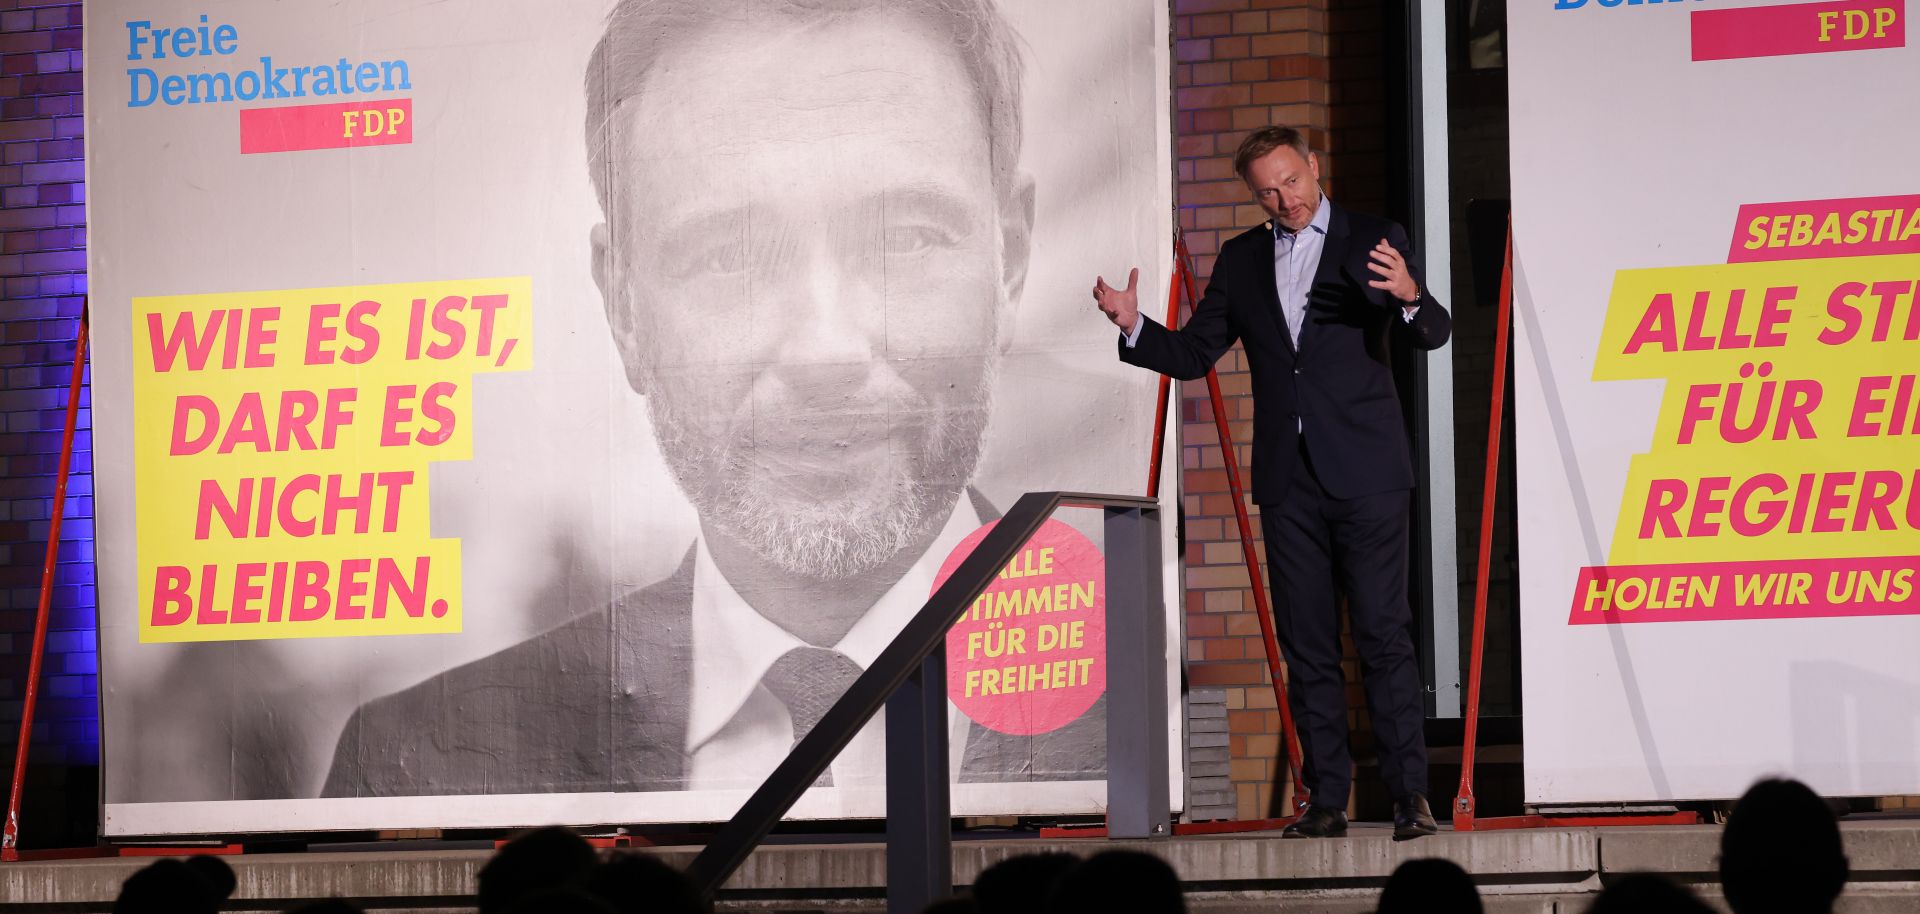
{"x": 1318, "y": 822}
{"x": 1412, "y": 819}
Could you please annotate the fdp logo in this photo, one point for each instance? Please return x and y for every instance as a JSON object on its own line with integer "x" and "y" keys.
{"x": 1611, "y": 4}
{"x": 1858, "y": 24}
{"x": 1798, "y": 28}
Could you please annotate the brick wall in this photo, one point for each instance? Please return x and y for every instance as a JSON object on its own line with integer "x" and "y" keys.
{"x": 43, "y": 261}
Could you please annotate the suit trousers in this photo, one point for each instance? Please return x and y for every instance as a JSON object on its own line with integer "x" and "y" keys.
{"x": 1319, "y": 546}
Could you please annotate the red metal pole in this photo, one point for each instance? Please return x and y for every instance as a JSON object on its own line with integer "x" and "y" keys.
{"x": 10, "y": 843}
{"x": 1290, "y": 740}
{"x": 1166, "y": 385}
{"x": 1463, "y": 805}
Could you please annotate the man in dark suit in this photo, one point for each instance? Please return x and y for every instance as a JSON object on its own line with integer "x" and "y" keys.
{"x": 1318, "y": 295}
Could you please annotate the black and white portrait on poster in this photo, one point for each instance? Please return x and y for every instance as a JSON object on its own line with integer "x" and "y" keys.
{"x": 803, "y": 318}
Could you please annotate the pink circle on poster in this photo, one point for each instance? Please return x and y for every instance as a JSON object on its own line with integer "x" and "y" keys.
{"x": 1030, "y": 655}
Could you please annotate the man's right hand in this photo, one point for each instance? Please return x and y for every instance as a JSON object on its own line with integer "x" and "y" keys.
{"x": 1122, "y": 306}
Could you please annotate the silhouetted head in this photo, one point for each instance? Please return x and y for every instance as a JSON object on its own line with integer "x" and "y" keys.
{"x": 217, "y": 874}
{"x": 1019, "y": 885}
{"x": 1781, "y": 853}
{"x": 1647, "y": 893}
{"x": 173, "y": 886}
{"x": 1118, "y": 881}
{"x": 1430, "y": 886}
{"x": 545, "y": 858}
{"x": 643, "y": 884}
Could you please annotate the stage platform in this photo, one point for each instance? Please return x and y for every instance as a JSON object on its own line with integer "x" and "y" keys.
{"x": 1539, "y": 871}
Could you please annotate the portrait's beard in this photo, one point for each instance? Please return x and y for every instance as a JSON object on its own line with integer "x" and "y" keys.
{"x": 808, "y": 516}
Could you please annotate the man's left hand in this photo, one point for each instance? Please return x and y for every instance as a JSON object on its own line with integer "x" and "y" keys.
{"x": 1392, "y": 269}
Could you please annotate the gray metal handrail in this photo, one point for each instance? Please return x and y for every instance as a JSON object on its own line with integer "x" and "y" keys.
{"x": 909, "y": 677}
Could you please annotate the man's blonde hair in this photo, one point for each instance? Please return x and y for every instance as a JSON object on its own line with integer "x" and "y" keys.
{"x": 1265, "y": 140}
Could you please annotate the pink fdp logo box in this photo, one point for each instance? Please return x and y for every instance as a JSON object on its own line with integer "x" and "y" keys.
{"x": 336, "y": 126}
{"x": 1800, "y": 28}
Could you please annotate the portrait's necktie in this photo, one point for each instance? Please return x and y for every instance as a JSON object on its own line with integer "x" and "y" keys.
{"x": 808, "y": 680}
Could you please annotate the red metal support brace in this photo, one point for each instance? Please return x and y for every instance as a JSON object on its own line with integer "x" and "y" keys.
{"x": 1463, "y": 808}
{"x": 1463, "y": 804}
{"x": 10, "y": 842}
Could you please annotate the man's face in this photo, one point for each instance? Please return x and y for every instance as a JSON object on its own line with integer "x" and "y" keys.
{"x": 1287, "y": 186}
{"x": 806, "y": 273}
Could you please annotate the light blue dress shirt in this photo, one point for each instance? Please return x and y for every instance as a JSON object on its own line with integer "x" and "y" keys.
{"x": 1296, "y": 258}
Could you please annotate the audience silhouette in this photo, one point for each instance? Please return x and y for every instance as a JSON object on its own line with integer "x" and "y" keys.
{"x": 1647, "y": 893}
{"x": 1429, "y": 886}
{"x": 170, "y": 886}
{"x": 1022, "y": 884}
{"x": 539, "y": 860}
{"x": 1780, "y": 852}
{"x": 635, "y": 883}
{"x": 1118, "y": 881}
{"x": 215, "y": 872}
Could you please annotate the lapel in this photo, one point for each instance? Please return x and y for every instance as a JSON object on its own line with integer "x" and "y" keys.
{"x": 1333, "y": 255}
{"x": 1270, "y": 284}
{"x": 653, "y": 660}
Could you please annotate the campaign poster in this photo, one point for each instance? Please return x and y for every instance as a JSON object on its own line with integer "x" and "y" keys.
{"x": 518, "y": 412}
{"x": 1717, "y": 240}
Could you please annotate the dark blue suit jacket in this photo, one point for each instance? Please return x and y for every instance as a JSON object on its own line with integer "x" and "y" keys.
{"x": 1337, "y": 385}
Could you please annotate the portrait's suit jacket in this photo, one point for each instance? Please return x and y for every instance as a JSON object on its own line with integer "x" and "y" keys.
{"x": 600, "y": 704}
{"x": 1337, "y": 384}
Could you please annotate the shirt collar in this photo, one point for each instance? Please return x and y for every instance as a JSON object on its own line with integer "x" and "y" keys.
{"x": 734, "y": 645}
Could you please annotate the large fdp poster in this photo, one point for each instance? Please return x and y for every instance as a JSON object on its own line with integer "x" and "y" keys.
{"x": 516, "y": 412}
{"x": 1717, "y": 237}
